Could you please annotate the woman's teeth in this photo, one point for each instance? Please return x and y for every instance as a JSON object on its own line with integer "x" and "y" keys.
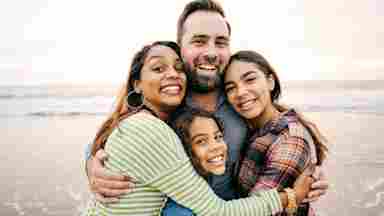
{"x": 216, "y": 159}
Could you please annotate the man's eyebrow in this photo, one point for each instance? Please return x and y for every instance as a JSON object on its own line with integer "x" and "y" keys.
{"x": 202, "y": 36}
{"x": 223, "y": 38}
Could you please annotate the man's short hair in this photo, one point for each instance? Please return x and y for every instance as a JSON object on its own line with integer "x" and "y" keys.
{"x": 198, "y": 5}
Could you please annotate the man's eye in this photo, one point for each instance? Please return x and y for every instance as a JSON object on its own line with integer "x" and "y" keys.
{"x": 198, "y": 42}
{"x": 222, "y": 43}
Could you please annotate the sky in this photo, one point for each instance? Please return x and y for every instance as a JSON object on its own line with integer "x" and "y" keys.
{"x": 92, "y": 41}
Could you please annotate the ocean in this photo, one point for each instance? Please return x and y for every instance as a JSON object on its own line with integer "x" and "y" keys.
{"x": 45, "y": 129}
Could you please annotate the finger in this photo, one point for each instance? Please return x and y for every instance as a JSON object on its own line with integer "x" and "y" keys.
{"x": 104, "y": 174}
{"x": 317, "y": 172}
{"x": 105, "y": 200}
{"x": 321, "y": 185}
{"x": 316, "y": 194}
{"x": 112, "y": 193}
{"x": 313, "y": 199}
{"x": 115, "y": 185}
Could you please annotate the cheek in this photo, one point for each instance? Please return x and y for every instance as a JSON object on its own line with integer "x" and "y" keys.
{"x": 188, "y": 55}
{"x": 224, "y": 56}
{"x": 199, "y": 153}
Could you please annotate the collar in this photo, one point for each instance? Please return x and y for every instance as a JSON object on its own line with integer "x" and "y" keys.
{"x": 276, "y": 125}
{"x": 189, "y": 102}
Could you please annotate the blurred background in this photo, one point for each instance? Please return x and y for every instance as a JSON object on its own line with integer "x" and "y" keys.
{"x": 62, "y": 62}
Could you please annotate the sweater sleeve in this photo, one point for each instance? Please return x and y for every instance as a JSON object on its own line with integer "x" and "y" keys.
{"x": 147, "y": 149}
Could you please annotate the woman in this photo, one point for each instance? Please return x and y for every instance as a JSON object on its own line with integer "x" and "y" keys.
{"x": 281, "y": 142}
{"x": 141, "y": 144}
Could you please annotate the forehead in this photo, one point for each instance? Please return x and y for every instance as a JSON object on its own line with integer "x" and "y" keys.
{"x": 202, "y": 125}
{"x": 205, "y": 23}
{"x": 237, "y": 68}
{"x": 161, "y": 51}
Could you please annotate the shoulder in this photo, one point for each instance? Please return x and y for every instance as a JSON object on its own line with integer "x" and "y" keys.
{"x": 145, "y": 123}
{"x": 296, "y": 133}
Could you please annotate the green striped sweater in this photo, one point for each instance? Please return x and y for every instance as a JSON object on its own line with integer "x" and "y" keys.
{"x": 148, "y": 150}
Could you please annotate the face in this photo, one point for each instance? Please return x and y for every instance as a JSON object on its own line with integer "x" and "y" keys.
{"x": 163, "y": 81}
{"x": 248, "y": 89}
{"x": 208, "y": 146}
{"x": 205, "y": 48}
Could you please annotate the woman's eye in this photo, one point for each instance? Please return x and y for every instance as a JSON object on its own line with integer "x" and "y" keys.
{"x": 228, "y": 89}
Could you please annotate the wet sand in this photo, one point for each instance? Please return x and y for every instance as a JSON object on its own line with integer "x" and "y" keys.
{"x": 43, "y": 164}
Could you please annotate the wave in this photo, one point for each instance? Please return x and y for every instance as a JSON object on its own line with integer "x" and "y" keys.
{"x": 54, "y": 114}
{"x": 64, "y": 114}
{"x": 23, "y": 96}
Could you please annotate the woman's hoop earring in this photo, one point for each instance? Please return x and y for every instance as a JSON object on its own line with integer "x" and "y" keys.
{"x": 135, "y": 100}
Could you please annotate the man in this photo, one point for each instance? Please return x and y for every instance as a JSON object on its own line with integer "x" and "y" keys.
{"x": 204, "y": 37}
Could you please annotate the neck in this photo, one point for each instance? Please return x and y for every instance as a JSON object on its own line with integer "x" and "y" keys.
{"x": 207, "y": 101}
{"x": 267, "y": 115}
{"x": 163, "y": 115}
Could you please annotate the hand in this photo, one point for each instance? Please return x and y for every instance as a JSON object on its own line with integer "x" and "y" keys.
{"x": 302, "y": 185}
{"x": 319, "y": 187}
{"x": 107, "y": 187}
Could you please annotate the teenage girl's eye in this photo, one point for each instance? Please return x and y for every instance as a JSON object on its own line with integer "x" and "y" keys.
{"x": 251, "y": 78}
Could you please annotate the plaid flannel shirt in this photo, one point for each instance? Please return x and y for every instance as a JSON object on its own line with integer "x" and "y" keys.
{"x": 276, "y": 155}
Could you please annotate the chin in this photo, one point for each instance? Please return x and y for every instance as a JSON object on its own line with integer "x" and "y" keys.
{"x": 218, "y": 171}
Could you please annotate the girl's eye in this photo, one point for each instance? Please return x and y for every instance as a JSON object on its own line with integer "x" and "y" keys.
{"x": 158, "y": 69}
{"x": 219, "y": 137}
{"x": 201, "y": 142}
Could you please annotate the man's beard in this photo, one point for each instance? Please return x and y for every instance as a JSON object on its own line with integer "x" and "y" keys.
{"x": 203, "y": 83}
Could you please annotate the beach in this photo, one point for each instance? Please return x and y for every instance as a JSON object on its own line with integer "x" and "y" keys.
{"x": 43, "y": 160}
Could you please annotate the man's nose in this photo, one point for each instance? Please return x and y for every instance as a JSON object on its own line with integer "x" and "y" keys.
{"x": 211, "y": 55}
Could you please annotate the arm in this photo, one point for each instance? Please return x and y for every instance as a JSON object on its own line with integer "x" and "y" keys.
{"x": 285, "y": 160}
{"x": 105, "y": 186}
{"x": 156, "y": 158}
